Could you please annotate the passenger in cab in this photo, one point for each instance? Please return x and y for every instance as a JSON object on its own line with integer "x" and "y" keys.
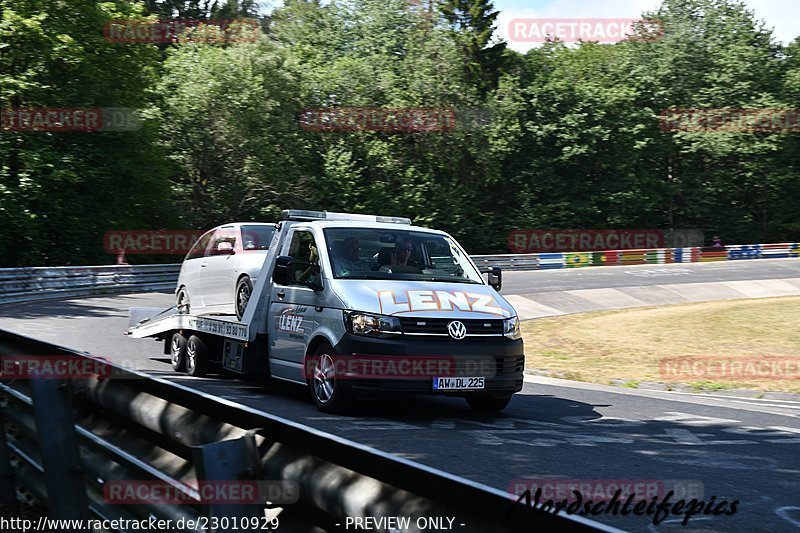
{"x": 403, "y": 252}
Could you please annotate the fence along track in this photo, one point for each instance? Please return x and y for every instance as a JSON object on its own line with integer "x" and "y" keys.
{"x": 42, "y": 283}
{"x": 128, "y": 425}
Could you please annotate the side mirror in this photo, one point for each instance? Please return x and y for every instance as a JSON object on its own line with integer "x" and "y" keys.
{"x": 224, "y": 248}
{"x": 315, "y": 283}
{"x": 495, "y": 278}
{"x": 280, "y": 274}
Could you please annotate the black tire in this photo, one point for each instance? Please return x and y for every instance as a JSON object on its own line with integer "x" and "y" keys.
{"x": 244, "y": 289}
{"x": 484, "y": 403}
{"x": 177, "y": 351}
{"x": 329, "y": 393}
{"x": 182, "y": 301}
{"x": 197, "y": 356}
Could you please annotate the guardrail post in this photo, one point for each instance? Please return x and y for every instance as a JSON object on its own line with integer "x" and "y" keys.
{"x": 7, "y": 492}
{"x": 58, "y": 443}
{"x": 229, "y": 461}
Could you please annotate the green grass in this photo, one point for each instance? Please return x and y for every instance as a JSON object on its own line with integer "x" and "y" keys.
{"x": 632, "y": 344}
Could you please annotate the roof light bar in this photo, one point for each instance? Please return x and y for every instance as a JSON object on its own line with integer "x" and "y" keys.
{"x": 302, "y": 214}
{"x": 394, "y": 220}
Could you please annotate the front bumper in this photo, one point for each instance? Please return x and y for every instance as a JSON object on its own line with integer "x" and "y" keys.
{"x": 500, "y": 361}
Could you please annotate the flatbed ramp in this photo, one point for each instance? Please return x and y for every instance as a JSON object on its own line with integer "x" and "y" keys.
{"x": 169, "y": 320}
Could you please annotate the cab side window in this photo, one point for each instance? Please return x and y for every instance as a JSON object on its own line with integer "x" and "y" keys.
{"x": 305, "y": 267}
{"x": 199, "y": 249}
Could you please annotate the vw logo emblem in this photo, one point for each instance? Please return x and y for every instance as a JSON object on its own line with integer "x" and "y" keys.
{"x": 457, "y": 330}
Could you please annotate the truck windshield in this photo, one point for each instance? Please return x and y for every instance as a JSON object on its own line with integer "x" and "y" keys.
{"x": 371, "y": 253}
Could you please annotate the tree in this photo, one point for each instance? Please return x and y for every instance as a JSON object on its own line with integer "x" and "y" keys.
{"x": 202, "y": 9}
{"x": 473, "y": 24}
{"x": 62, "y": 191}
{"x": 229, "y": 122}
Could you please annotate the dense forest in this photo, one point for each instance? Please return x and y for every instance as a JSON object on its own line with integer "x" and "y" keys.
{"x": 564, "y": 136}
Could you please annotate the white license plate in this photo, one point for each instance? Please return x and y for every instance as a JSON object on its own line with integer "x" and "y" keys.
{"x": 458, "y": 383}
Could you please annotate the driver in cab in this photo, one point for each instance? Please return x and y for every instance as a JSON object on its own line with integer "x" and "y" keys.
{"x": 348, "y": 260}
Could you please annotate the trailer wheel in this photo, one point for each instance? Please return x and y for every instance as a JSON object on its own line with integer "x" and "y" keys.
{"x": 329, "y": 392}
{"x": 484, "y": 403}
{"x": 182, "y": 301}
{"x": 177, "y": 351}
{"x": 197, "y": 355}
{"x": 243, "y": 291}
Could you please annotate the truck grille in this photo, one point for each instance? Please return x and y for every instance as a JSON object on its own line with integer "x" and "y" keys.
{"x": 438, "y": 326}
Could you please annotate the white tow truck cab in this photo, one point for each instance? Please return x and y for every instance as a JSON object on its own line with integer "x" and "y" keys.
{"x": 351, "y": 304}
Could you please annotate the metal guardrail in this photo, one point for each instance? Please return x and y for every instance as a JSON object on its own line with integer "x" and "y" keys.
{"x": 648, "y": 256}
{"x": 64, "y": 438}
{"x": 40, "y": 283}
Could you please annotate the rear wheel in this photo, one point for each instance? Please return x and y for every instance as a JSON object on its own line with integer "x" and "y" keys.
{"x": 182, "y": 301}
{"x": 329, "y": 392}
{"x": 484, "y": 403}
{"x": 197, "y": 356}
{"x": 177, "y": 350}
{"x": 243, "y": 291}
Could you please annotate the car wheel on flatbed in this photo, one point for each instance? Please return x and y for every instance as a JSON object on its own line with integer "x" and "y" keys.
{"x": 244, "y": 288}
{"x": 182, "y": 302}
{"x": 329, "y": 393}
{"x": 197, "y": 356}
{"x": 177, "y": 351}
{"x": 485, "y": 403}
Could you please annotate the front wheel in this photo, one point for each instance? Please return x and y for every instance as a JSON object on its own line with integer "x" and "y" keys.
{"x": 244, "y": 289}
{"x": 484, "y": 403}
{"x": 329, "y": 392}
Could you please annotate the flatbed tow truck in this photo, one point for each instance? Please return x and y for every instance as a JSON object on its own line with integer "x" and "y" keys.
{"x": 337, "y": 295}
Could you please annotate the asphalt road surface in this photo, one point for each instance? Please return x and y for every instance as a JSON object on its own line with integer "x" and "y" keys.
{"x": 539, "y": 281}
{"x": 702, "y": 446}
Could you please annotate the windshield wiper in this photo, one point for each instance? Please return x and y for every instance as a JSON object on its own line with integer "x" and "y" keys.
{"x": 452, "y": 280}
{"x": 363, "y": 275}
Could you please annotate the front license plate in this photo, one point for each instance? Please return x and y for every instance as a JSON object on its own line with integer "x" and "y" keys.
{"x": 458, "y": 383}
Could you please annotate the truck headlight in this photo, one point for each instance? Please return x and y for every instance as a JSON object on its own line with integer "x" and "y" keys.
{"x": 367, "y": 324}
{"x": 511, "y": 328}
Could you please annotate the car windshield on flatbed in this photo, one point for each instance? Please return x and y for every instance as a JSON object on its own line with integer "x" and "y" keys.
{"x": 256, "y": 236}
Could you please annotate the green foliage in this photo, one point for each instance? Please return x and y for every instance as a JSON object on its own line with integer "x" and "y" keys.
{"x": 228, "y": 126}
{"x": 59, "y": 191}
{"x": 562, "y": 136}
{"x": 473, "y": 24}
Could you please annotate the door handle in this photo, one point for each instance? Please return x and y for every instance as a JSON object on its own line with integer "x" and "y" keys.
{"x": 281, "y": 295}
{"x": 203, "y": 265}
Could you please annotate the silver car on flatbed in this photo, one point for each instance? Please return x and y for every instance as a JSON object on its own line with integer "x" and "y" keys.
{"x": 218, "y": 273}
